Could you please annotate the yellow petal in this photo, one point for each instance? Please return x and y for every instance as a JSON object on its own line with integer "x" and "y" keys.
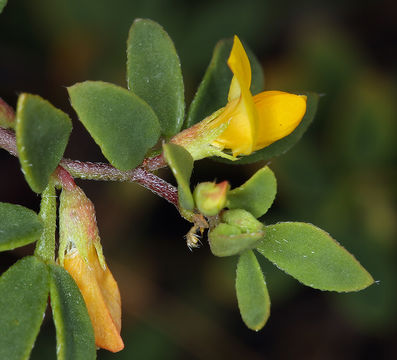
{"x": 279, "y": 114}
{"x": 240, "y": 66}
{"x": 101, "y": 295}
{"x": 240, "y": 112}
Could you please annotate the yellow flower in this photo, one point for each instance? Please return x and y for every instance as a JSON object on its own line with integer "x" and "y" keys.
{"x": 247, "y": 123}
{"x": 255, "y": 122}
{"x": 80, "y": 253}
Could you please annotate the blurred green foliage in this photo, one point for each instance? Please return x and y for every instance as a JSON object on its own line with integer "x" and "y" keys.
{"x": 341, "y": 176}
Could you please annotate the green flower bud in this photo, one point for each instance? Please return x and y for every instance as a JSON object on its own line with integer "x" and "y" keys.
{"x": 210, "y": 198}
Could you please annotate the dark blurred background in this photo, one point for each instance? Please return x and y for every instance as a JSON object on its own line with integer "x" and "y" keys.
{"x": 179, "y": 304}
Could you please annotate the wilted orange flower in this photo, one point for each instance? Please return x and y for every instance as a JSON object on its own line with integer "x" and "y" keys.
{"x": 80, "y": 253}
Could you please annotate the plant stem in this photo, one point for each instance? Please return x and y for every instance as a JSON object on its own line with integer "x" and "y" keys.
{"x": 105, "y": 172}
{"x": 45, "y": 246}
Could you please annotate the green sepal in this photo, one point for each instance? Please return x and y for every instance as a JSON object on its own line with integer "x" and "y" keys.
{"x": 42, "y": 133}
{"x": 123, "y": 125}
{"x": 154, "y": 73}
{"x": 313, "y": 257}
{"x": 181, "y": 164}
{"x": 283, "y": 145}
{"x": 19, "y": 226}
{"x": 75, "y": 334}
{"x": 252, "y": 294}
{"x": 212, "y": 92}
{"x": 24, "y": 291}
{"x": 256, "y": 195}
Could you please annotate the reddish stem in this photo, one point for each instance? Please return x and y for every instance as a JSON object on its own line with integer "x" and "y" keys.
{"x": 99, "y": 171}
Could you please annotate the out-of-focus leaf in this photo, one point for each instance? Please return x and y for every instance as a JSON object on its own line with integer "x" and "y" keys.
{"x": 42, "y": 133}
{"x": 19, "y": 226}
{"x": 154, "y": 73}
{"x": 181, "y": 164}
{"x": 23, "y": 298}
{"x": 75, "y": 335}
{"x": 310, "y": 255}
{"x": 212, "y": 92}
{"x": 3, "y": 3}
{"x": 256, "y": 195}
{"x": 122, "y": 124}
{"x": 283, "y": 145}
{"x": 7, "y": 116}
{"x": 252, "y": 295}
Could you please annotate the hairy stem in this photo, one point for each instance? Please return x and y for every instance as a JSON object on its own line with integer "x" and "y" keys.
{"x": 105, "y": 172}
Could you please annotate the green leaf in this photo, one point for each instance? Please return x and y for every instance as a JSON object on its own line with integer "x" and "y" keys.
{"x": 75, "y": 335}
{"x": 23, "y": 299}
{"x": 7, "y": 116}
{"x": 212, "y": 93}
{"x": 228, "y": 239}
{"x": 181, "y": 164}
{"x": 154, "y": 73}
{"x": 42, "y": 133}
{"x": 2, "y": 5}
{"x": 256, "y": 195}
{"x": 19, "y": 226}
{"x": 283, "y": 145}
{"x": 252, "y": 295}
{"x": 121, "y": 123}
{"x": 310, "y": 255}
{"x": 45, "y": 247}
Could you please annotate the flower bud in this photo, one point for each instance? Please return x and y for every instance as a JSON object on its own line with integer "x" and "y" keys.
{"x": 210, "y": 198}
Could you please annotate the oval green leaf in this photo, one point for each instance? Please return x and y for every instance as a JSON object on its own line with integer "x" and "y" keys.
{"x": 122, "y": 124}
{"x": 75, "y": 335}
{"x": 42, "y": 133}
{"x": 154, "y": 73}
{"x": 313, "y": 257}
{"x": 23, "y": 299}
{"x": 256, "y": 195}
{"x": 283, "y": 145}
{"x": 252, "y": 295}
{"x": 181, "y": 164}
{"x": 212, "y": 92}
{"x": 19, "y": 226}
